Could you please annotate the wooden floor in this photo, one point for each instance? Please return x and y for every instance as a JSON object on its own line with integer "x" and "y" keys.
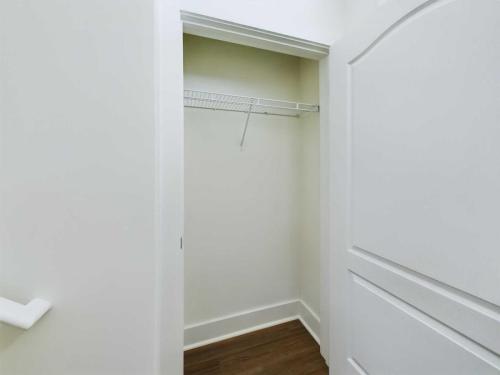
{"x": 285, "y": 349}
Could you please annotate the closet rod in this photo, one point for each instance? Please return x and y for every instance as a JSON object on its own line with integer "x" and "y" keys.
{"x": 245, "y": 104}
{"x": 245, "y": 111}
{"x": 236, "y": 103}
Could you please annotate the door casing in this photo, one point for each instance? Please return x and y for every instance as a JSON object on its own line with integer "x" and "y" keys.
{"x": 170, "y": 163}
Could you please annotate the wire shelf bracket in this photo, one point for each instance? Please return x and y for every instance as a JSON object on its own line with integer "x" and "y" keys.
{"x": 246, "y": 104}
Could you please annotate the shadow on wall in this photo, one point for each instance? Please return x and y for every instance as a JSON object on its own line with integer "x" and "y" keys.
{"x": 8, "y": 335}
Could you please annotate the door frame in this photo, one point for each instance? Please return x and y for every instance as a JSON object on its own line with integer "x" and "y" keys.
{"x": 172, "y": 22}
{"x": 214, "y": 28}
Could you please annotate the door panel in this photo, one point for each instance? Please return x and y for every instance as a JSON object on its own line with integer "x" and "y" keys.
{"x": 425, "y": 132}
{"x": 416, "y": 176}
{"x": 392, "y": 337}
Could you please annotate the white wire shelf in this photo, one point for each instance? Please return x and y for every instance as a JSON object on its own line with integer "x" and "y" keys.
{"x": 246, "y": 104}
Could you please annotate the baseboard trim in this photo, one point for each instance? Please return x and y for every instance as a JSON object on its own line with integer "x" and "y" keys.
{"x": 310, "y": 320}
{"x": 233, "y": 325}
{"x": 238, "y": 333}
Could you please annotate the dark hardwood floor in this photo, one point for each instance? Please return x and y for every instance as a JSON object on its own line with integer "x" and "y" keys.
{"x": 285, "y": 349}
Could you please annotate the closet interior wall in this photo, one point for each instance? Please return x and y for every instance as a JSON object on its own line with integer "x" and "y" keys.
{"x": 252, "y": 253}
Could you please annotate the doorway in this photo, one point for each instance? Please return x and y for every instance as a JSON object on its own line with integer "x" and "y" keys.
{"x": 255, "y": 228}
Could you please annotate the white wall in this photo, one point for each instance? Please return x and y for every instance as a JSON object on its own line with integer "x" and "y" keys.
{"x": 241, "y": 225}
{"x": 357, "y": 11}
{"x": 316, "y": 20}
{"x": 248, "y": 216}
{"x": 77, "y": 184}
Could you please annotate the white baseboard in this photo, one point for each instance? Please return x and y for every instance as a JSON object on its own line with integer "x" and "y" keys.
{"x": 310, "y": 320}
{"x": 223, "y": 328}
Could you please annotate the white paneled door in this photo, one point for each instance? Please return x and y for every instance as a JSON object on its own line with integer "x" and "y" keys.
{"x": 416, "y": 191}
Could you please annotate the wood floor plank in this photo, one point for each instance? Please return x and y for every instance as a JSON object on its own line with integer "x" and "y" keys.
{"x": 285, "y": 349}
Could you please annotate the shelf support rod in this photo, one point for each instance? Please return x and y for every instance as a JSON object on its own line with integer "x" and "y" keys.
{"x": 246, "y": 125}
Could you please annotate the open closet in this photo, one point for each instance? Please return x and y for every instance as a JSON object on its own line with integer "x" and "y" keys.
{"x": 251, "y": 190}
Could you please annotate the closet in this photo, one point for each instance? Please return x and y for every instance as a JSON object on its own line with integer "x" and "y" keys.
{"x": 252, "y": 212}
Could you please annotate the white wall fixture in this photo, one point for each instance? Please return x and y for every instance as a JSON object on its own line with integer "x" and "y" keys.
{"x": 236, "y": 103}
{"x": 22, "y": 316}
{"x": 249, "y": 105}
